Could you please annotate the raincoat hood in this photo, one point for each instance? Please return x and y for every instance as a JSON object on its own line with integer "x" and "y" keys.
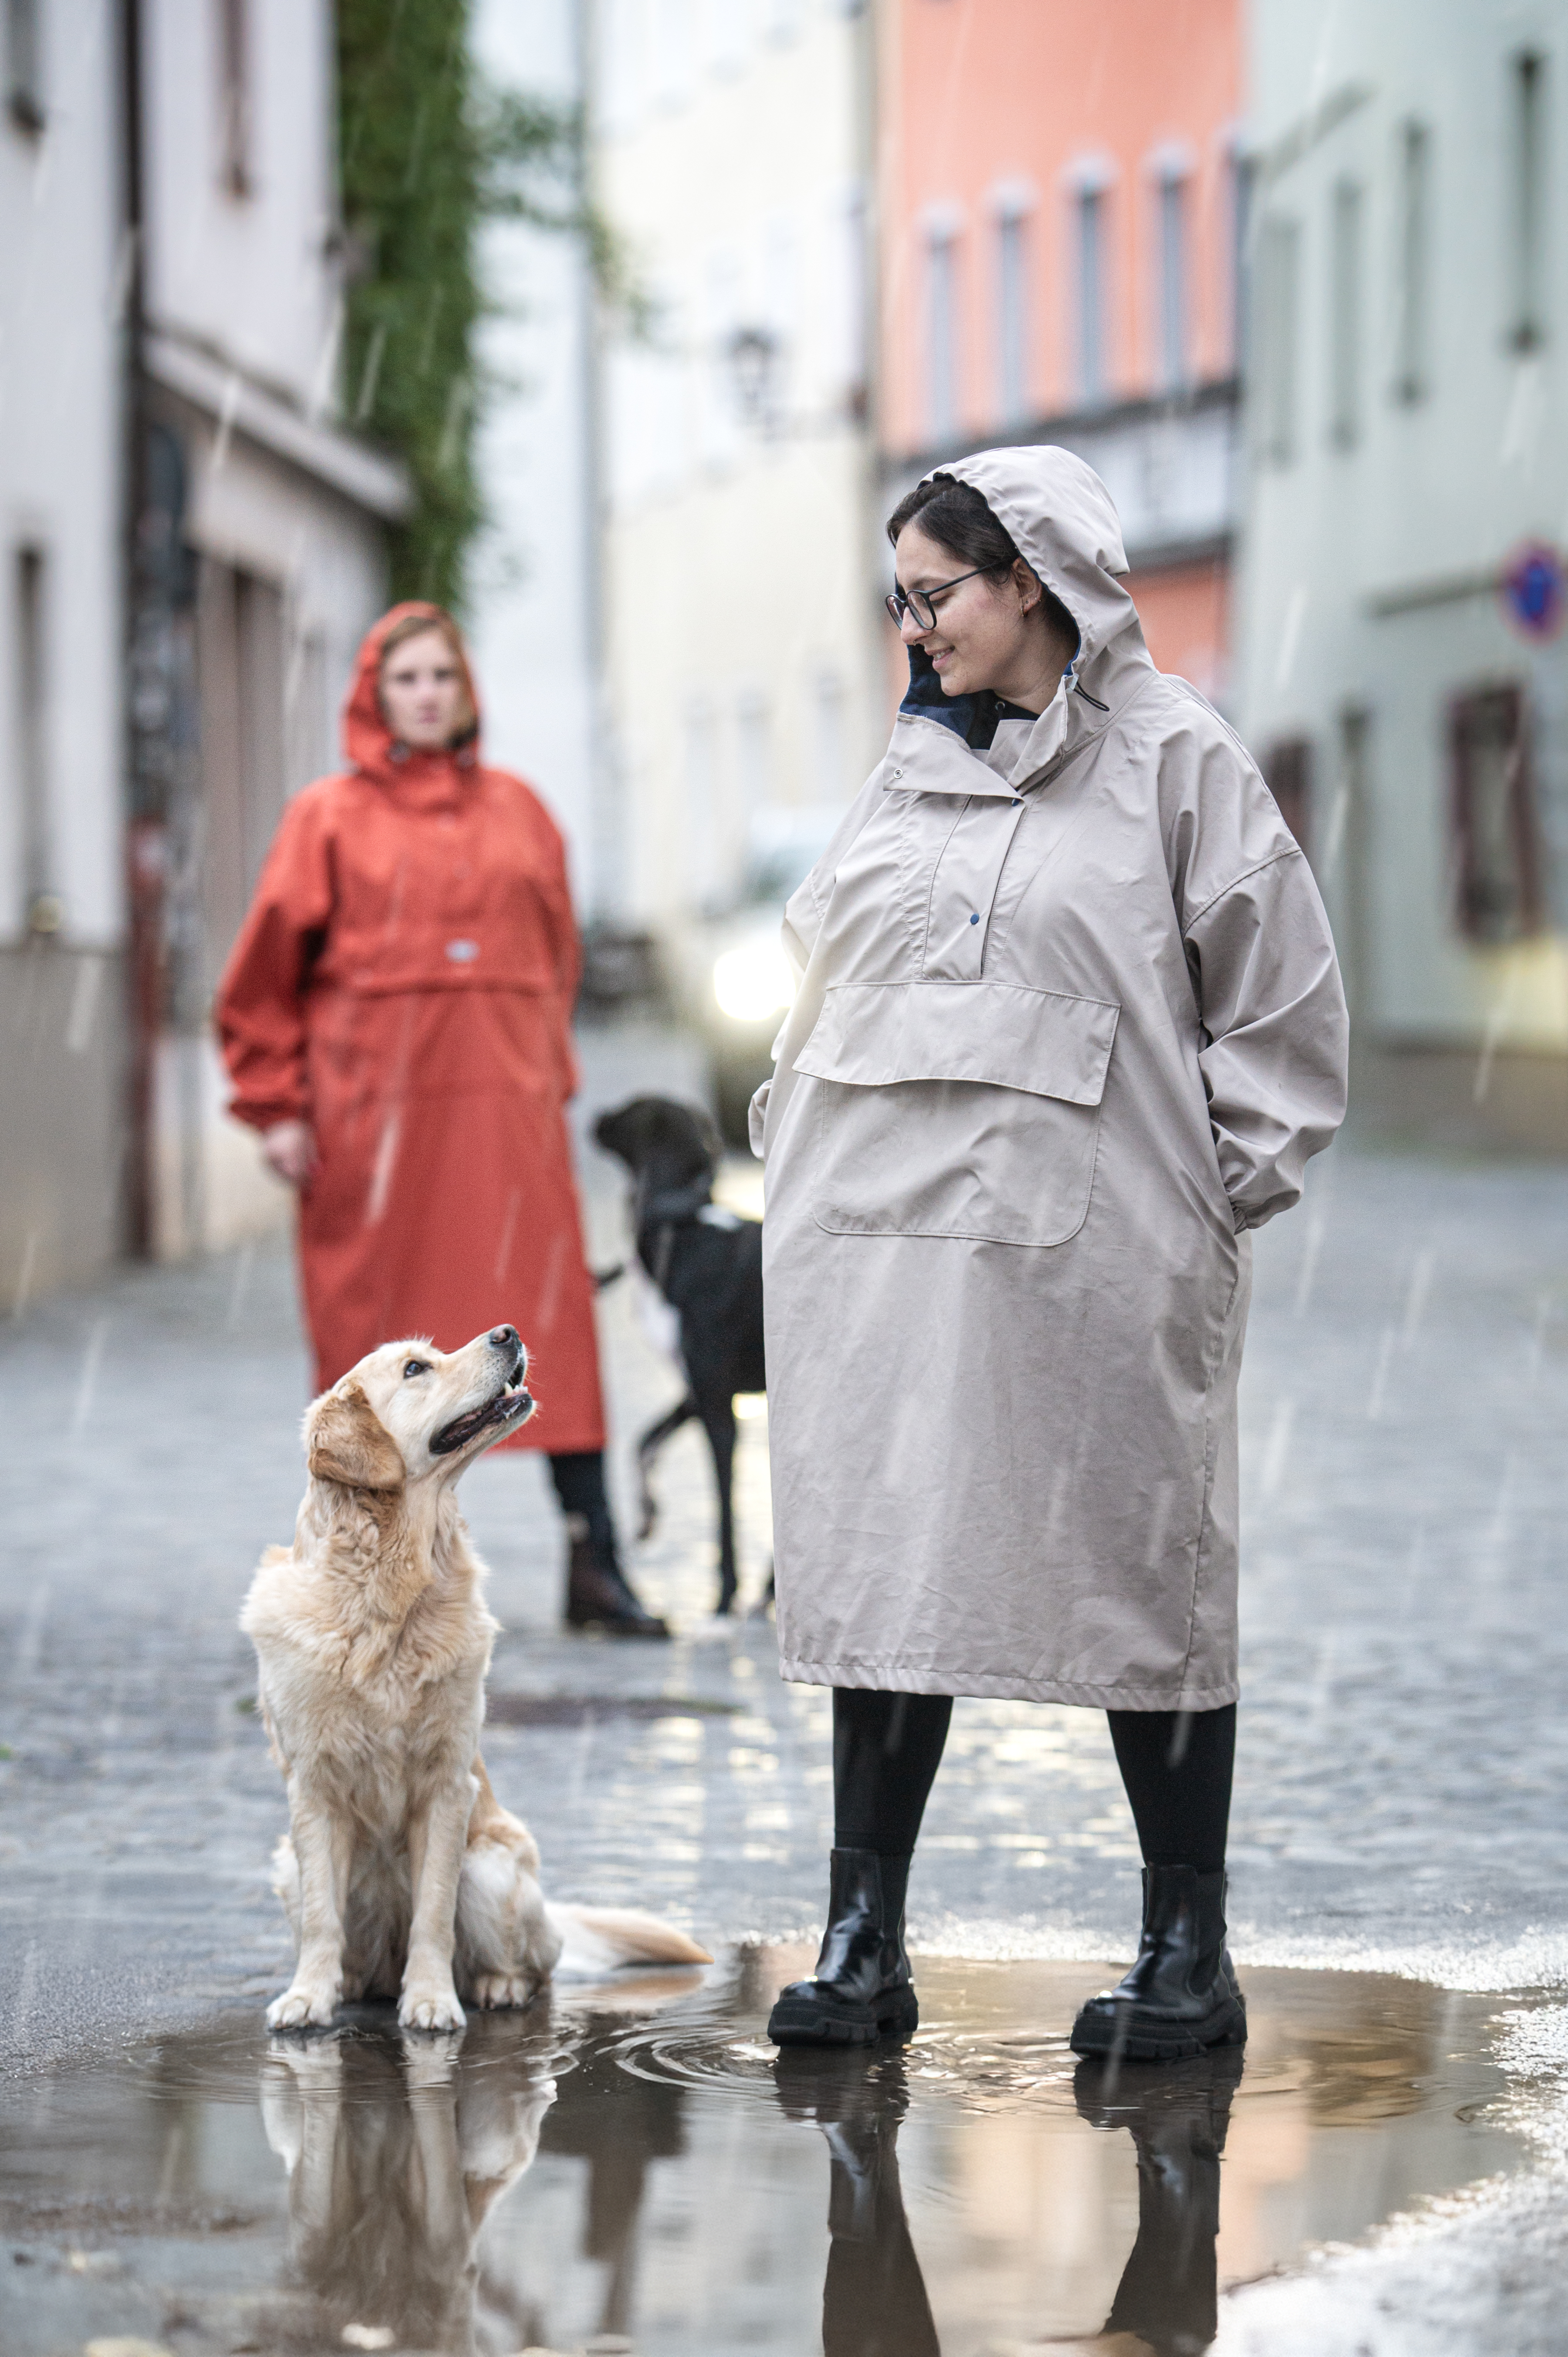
{"x": 1065, "y": 525}
{"x": 368, "y": 741}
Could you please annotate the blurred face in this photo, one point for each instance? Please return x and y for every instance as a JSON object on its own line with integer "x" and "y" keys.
{"x": 991, "y": 630}
{"x": 423, "y": 696}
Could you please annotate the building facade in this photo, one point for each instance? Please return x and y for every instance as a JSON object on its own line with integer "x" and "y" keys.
{"x": 533, "y": 618}
{"x": 1061, "y": 197}
{"x": 731, "y": 146}
{"x": 259, "y": 549}
{"x": 194, "y": 544}
{"x": 1403, "y": 674}
{"x": 61, "y": 633}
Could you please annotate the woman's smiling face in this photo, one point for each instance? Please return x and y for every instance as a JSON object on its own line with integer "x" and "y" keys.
{"x": 991, "y": 630}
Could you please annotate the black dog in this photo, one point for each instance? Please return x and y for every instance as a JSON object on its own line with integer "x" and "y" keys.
{"x": 707, "y": 1262}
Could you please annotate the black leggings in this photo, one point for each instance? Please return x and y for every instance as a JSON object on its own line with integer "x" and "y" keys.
{"x": 1175, "y": 1764}
{"x": 579, "y": 1481}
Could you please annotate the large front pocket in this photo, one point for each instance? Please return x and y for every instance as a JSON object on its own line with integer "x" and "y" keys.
{"x": 957, "y": 1109}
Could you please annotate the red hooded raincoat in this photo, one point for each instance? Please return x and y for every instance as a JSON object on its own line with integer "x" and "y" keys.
{"x": 405, "y": 983}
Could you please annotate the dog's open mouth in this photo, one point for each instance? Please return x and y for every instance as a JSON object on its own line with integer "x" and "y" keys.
{"x": 506, "y": 1407}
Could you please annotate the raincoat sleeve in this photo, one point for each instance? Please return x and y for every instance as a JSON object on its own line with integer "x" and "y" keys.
{"x": 1272, "y": 1010}
{"x": 260, "y": 1004}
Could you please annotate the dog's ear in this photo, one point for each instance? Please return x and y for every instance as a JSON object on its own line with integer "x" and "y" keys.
{"x": 345, "y": 1440}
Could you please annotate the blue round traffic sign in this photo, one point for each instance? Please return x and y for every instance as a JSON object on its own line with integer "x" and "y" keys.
{"x": 1534, "y": 590}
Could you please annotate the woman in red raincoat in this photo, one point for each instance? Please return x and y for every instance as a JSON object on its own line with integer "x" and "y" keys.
{"x": 396, "y": 1020}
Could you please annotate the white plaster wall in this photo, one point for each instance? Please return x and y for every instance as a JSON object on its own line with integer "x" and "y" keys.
{"x": 60, "y": 210}
{"x": 737, "y": 574}
{"x": 530, "y": 619}
{"x": 1431, "y": 491}
{"x": 250, "y": 277}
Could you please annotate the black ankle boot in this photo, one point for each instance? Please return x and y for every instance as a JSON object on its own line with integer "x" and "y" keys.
{"x": 596, "y": 1595}
{"x": 1181, "y": 1993}
{"x": 861, "y": 1986}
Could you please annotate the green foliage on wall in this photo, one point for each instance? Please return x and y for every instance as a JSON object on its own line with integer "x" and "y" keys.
{"x": 427, "y": 154}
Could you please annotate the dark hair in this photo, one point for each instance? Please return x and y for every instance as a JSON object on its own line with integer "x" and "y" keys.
{"x": 954, "y": 514}
{"x": 957, "y": 518}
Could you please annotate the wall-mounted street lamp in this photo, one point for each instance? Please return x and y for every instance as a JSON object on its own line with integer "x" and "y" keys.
{"x": 754, "y": 355}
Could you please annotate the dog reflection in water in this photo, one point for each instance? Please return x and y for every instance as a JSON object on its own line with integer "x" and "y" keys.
{"x": 398, "y": 2145}
{"x": 874, "y": 2299}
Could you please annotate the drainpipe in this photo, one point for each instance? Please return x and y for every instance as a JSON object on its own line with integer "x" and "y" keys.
{"x": 145, "y": 848}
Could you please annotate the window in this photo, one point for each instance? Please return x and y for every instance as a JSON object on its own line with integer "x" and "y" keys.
{"x": 1287, "y": 774}
{"x": 1495, "y": 837}
{"x": 942, "y": 330}
{"x": 1172, "y": 198}
{"x": 24, "y": 63}
{"x": 41, "y": 906}
{"x": 702, "y": 800}
{"x": 1012, "y": 317}
{"x": 234, "y": 96}
{"x": 1345, "y": 317}
{"x": 754, "y": 746}
{"x": 1279, "y": 260}
{"x": 831, "y": 748}
{"x": 1527, "y": 156}
{"x": 1090, "y": 224}
{"x": 1411, "y": 324}
{"x": 1243, "y": 182}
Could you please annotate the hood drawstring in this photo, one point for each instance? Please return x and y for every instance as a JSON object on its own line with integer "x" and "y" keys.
{"x": 1078, "y": 689}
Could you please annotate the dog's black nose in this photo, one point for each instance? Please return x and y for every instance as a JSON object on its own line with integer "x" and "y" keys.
{"x": 505, "y": 1338}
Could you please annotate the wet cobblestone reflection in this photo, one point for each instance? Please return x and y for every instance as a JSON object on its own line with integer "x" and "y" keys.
{"x": 634, "y": 2169}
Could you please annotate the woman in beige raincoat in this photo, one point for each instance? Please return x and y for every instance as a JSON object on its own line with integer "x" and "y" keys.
{"x": 1069, "y": 1026}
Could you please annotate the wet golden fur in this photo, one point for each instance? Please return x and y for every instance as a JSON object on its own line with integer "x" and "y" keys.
{"x": 403, "y": 1876}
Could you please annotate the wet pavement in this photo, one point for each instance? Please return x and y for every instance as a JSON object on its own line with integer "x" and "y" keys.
{"x": 635, "y": 2168}
{"x": 1403, "y": 1774}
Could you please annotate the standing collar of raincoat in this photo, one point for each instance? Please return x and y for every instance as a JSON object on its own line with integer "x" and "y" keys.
{"x": 423, "y": 779}
{"x": 1064, "y": 523}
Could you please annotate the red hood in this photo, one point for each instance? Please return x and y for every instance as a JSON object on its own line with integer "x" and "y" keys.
{"x": 367, "y": 740}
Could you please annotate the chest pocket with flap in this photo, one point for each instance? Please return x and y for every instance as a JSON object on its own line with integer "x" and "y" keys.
{"x": 967, "y": 1109}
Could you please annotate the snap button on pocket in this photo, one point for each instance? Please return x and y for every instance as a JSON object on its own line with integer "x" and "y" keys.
{"x": 975, "y": 921}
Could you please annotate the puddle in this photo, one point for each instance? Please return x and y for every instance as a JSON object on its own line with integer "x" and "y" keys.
{"x": 636, "y": 2169}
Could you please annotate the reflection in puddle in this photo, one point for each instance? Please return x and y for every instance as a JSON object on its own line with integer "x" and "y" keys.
{"x": 637, "y": 2170}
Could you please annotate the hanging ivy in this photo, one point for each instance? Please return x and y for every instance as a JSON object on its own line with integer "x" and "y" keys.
{"x": 428, "y": 152}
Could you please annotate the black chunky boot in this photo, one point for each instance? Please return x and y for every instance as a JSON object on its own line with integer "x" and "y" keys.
{"x": 1180, "y": 1996}
{"x": 861, "y": 1987}
{"x": 598, "y": 1595}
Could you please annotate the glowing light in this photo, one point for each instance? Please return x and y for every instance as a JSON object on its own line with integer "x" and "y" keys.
{"x": 753, "y": 981}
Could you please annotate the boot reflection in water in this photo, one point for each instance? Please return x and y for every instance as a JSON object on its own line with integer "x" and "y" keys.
{"x": 874, "y": 2299}
{"x": 396, "y": 2149}
{"x": 1177, "y": 2112}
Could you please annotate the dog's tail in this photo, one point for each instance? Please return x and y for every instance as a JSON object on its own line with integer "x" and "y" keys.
{"x": 598, "y": 1940}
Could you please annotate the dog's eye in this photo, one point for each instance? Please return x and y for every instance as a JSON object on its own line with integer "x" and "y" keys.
{"x": 416, "y": 1367}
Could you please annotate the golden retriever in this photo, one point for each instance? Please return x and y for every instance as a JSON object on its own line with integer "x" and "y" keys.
{"x": 404, "y": 1877}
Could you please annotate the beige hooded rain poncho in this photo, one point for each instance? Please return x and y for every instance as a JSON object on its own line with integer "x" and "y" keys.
{"x": 1069, "y": 1025}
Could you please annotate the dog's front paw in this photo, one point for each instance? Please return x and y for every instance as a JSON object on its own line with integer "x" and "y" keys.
{"x": 430, "y": 2008}
{"x": 303, "y": 2006}
{"x": 505, "y": 1989}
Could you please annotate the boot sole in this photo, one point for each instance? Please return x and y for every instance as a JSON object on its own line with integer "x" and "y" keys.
{"x": 1146, "y": 2042}
{"x": 799, "y": 2022}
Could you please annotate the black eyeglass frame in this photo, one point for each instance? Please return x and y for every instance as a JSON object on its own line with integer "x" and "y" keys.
{"x": 900, "y": 602}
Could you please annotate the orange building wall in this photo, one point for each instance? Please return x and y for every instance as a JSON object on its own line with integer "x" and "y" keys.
{"x": 981, "y": 93}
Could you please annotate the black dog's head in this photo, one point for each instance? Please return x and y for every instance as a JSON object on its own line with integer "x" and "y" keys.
{"x": 662, "y": 1144}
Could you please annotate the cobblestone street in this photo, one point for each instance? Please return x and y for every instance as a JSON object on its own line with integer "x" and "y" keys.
{"x": 1403, "y": 1764}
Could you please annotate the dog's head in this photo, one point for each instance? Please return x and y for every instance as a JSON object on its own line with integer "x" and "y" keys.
{"x": 408, "y": 1412}
{"x": 662, "y": 1143}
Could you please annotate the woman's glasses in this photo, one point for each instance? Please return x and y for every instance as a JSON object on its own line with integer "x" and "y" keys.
{"x": 920, "y": 602}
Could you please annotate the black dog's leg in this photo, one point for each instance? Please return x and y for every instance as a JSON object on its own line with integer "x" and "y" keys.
{"x": 647, "y": 1448}
{"x": 718, "y": 1422}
